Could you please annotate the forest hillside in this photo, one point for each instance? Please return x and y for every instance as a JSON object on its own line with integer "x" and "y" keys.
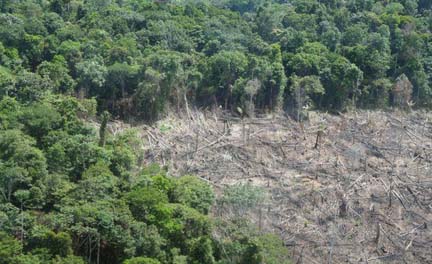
{"x": 259, "y": 130}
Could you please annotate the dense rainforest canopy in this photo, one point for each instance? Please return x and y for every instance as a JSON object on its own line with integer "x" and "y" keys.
{"x": 71, "y": 195}
{"x": 138, "y": 57}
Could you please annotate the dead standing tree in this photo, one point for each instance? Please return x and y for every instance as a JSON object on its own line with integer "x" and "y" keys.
{"x": 402, "y": 92}
{"x": 251, "y": 90}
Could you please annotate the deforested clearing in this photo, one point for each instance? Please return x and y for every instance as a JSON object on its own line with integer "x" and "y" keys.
{"x": 347, "y": 188}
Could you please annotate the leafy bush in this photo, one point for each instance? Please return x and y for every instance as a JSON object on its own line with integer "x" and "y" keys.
{"x": 193, "y": 192}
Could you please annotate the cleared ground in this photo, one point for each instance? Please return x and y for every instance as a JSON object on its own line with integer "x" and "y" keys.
{"x": 352, "y": 188}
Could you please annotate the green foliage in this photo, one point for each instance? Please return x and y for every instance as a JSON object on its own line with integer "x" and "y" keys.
{"x": 224, "y": 69}
{"x": 92, "y": 74}
{"x": 244, "y": 244}
{"x": 273, "y": 250}
{"x": 68, "y": 260}
{"x": 182, "y": 224}
{"x": 138, "y": 58}
{"x": 30, "y": 87}
{"x": 72, "y": 154}
{"x": 9, "y": 248}
{"x": 150, "y": 95}
{"x": 10, "y": 111}
{"x": 7, "y": 81}
{"x": 103, "y": 128}
{"x": 121, "y": 78}
{"x": 202, "y": 251}
{"x": 194, "y": 193}
{"x": 21, "y": 163}
{"x": 102, "y": 222}
{"x": 141, "y": 260}
{"x": 124, "y": 153}
{"x": 97, "y": 182}
{"x": 27, "y": 259}
{"x": 71, "y": 109}
{"x": 88, "y": 107}
{"x": 39, "y": 120}
{"x": 145, "y": 203}
{"x": 303, "y": 90}
{"x": 59, "y": 244}
{"x": 57, "y": 72}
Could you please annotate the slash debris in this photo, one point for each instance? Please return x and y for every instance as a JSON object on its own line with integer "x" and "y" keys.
{"x": 351, "y": 188}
